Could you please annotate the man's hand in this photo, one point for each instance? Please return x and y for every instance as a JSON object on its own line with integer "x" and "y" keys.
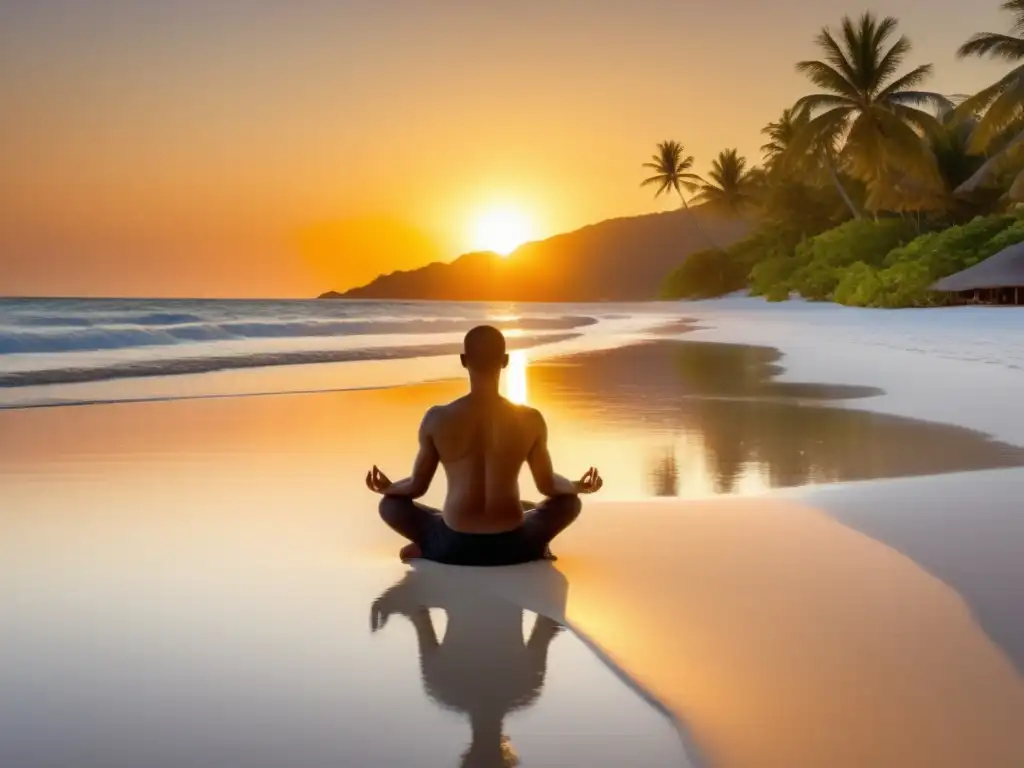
{"x": 377, "y": 481}
{"x": 591, "y": 482}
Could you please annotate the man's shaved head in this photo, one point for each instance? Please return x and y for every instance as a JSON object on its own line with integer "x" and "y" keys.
{"x": 484, "y": 349}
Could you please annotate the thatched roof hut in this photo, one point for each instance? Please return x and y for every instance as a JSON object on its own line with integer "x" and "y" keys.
{"x": 1004, "y": 270}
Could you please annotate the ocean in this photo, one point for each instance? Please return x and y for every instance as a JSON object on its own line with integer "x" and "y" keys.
{"x": 74, "y": 351}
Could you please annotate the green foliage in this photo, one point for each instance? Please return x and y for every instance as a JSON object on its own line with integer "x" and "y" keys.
{"x": 903, "y": 278}
{"x": 859, "y": 286}
{"x": 861, "y": 263}
{"x": 822, "y": 261}
{"x": 779, "y": 292}
{"x": 764, "y": 262}
{"x": 1006, "y": 236}
{"x": 868, "y": 138}
{"x": 771, "y": 276}
{"x": 804, "y": 209}
{"x": 704, "y": 275}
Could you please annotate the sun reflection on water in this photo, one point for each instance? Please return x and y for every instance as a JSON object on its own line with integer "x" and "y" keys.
{"x": 515, "y": 377}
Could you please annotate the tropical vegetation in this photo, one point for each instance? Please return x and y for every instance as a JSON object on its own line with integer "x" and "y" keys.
{"x": 871, "y": 187}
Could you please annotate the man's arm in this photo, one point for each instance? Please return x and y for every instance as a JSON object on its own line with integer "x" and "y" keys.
{"x": 423, "y": 468}
{"x": 548, "y": 482}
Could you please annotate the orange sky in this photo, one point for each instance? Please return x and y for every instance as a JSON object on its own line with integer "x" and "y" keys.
{"x": 232, "y": 148}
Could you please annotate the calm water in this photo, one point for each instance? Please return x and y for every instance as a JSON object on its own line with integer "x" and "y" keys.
{"x": 205, "y": 582}
{"x": 705, "y": 418}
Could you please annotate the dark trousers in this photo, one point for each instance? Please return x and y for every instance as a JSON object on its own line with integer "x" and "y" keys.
{"x": 425, "y": 526}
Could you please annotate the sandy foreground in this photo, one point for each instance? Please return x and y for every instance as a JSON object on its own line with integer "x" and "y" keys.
{"x": 858, "y": 624}
{"x": 877, "y": 623}
{"x": 780, "y": 635}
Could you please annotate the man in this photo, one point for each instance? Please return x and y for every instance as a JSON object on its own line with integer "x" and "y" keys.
{"x": 482, "y": 440}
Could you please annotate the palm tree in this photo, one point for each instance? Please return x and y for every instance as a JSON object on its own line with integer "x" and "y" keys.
{"x": 782, "y": 136}
{"x": 939, "y": 191}
{"x": 1001, "y": 105}
{"x": 789, "y": 150}
{"x": 795, "y": 191}
{"x": 730, "y": 186}
{"x": 672, "y": 174}
{"x": 865, "y": 103}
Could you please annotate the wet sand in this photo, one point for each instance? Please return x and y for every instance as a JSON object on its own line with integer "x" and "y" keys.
{"x": 701, "y": 420}
{"x": 167, "y": 561}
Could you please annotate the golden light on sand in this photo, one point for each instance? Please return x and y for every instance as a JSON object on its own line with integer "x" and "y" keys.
{"x": 501, "y": 230}
{"x": 515, "y": 377}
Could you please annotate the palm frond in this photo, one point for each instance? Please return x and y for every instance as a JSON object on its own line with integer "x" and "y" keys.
{"x": 974, "y": 106}
{"x": 884, "y": 29}
{"x": 940, "y": 104}
{"x": 907, "y": 82}
{"x": 865, "y": 145}
{"x": 1016, "y": 7}
{"x": 819, "y": 101}
{"x": 994, "y": 45}
{"x": 891, "y": 61}
{"x": 1004, "y": 109}
{"x": 993, "y": 165}
{"x": 824, "y": 76}
{"x": 834, "y": 54}
{"x": 853, "y": 42}
{"x": 905, "y": 149}
{"x": 819, "y": 133}
{"x": 925, "y": 123}
{"x": 730, "y": 186}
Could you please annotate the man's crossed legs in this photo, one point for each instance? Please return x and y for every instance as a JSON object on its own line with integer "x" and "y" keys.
{"x": 433, "y": 540}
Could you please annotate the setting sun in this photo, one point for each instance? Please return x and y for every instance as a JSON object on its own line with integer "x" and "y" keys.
{"x": 501, "y": 230}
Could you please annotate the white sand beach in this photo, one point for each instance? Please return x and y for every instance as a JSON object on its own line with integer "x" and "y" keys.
{"x": 196, "y": 572}
{"x": 872, "y": 623}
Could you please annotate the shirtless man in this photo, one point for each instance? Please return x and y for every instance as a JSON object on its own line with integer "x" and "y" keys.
{"x": 482, "y": 440}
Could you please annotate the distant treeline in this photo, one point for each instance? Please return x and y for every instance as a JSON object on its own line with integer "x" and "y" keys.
{"x": 871, "y": 188}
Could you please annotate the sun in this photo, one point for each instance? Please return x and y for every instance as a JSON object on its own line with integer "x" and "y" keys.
{"x": 501, "y": 230}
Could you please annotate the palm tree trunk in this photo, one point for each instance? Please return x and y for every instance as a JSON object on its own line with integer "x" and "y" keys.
{"x": 697, "y": 224}
{"x": 839, "y": 186}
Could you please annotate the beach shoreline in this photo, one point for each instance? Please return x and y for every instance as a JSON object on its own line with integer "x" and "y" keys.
{"x": 842, "y": 623}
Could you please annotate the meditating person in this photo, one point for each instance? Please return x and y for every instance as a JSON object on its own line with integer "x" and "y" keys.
{"x": 482, "y": 440}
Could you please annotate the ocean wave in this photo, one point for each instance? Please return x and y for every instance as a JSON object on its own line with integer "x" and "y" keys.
{"x": 110, "y": 318}
{"x": 192, "y": 365}
{"x": 87, "y": 338}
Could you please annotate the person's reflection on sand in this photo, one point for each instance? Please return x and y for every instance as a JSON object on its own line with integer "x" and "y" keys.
{"x": 483, "y": 667}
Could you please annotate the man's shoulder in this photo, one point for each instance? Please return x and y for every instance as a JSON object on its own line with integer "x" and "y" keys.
{"x": 453, "y": 406}
{"x": 435, "y": 413}
{"x": 528, "y": 414}
{"x": 442, "y": 412}
{"x": 528, "y": 410}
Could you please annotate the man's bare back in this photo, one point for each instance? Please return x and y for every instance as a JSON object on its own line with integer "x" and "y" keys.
{"x": 482, "y": 443}
{"x": 482, "y": 440}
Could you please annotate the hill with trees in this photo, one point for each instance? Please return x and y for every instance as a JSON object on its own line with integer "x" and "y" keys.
{"x": 616, "y": 260}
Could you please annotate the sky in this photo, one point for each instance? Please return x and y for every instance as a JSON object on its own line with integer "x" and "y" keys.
{"x": 242, "y": 148}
